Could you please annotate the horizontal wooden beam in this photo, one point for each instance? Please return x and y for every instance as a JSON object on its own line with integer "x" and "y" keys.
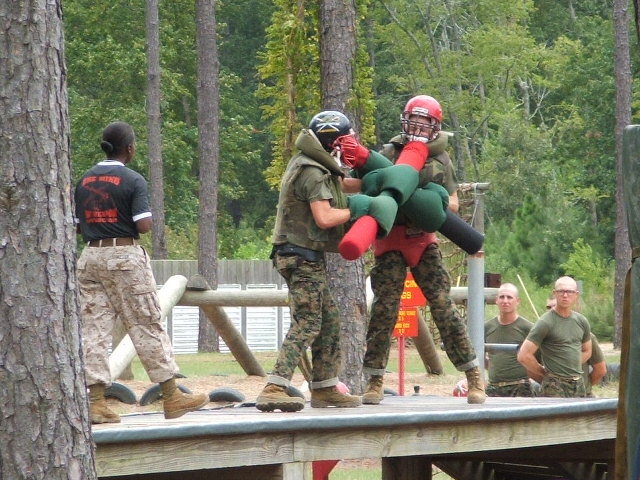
{"x": 279, "y": 298}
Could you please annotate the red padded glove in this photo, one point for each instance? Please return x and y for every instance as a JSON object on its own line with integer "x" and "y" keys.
{"x": 352, "y": 153}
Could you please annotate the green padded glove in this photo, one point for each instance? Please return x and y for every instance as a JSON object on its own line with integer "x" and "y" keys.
{"x": 424, "y": 209}
{"x": 440, "y": 190}
{"x": 358, "y": 205}
{"x": 399, "y": 180}
{"x": 371, "y": 183}
{"x": 384, "y": 209}
{"x": 375, "y": 161}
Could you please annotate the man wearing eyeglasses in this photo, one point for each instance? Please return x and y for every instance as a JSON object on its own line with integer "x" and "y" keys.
{"x": 563, "y": 337}
{"x": 594, "y": 370}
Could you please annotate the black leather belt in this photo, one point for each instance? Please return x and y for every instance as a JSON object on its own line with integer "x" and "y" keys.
{"x": 289, "y": 250}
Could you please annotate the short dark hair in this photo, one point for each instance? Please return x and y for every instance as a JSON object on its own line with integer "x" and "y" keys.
{"x": 116, "y": 137}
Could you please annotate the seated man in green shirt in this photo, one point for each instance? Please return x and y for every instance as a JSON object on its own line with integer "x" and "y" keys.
{"x": 507, "y": 377}
{"x": 563, "y": 336}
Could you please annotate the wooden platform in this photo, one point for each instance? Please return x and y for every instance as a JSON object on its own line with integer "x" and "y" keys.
{"x": 506, "y": 438}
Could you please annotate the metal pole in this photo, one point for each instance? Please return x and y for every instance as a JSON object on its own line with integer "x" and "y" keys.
{"x": 475, "y": 264}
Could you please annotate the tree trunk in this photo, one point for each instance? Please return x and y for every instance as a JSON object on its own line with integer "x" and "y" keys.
{"x": 622, "y": 64}
{"x": 44, "y": 423}
{"x": 636, "y": 17}
{"x": 208, "y": 108}
{"x": 346, "y": 279}
{"x": 156, "y": 171}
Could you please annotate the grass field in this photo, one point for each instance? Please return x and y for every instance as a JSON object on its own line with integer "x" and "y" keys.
{"x": 224, "y": 364}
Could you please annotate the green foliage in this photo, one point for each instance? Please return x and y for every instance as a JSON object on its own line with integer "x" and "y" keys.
{"x": 529, "y": 105}
{"x": 515, "y": 163}
{"x": 290, "y": 72}
{"x": 107, "y": 81}
{"x": 289, "y": 68}
{"x": 581, "y": 264}
{"x": 526, "y": 87}
{"x": 361, "y": 105}
{"x": 182, "y": 244}
{"x": 596, "y": 277}
{"x": 535, "y": 241}
{"x": 245, "y": 241}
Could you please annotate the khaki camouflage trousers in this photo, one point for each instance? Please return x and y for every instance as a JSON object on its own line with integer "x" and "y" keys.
{"x": 556, "y": 386}
{"x": 387, "y": 281}
{"x": 117, "y": 283}
{"x": 315, "y": 322}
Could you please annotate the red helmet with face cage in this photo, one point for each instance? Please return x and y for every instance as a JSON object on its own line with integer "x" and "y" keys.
{"x": 429, "y": 113}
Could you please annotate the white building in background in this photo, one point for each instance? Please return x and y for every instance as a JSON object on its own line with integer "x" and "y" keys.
{"x": 263, "y": 328}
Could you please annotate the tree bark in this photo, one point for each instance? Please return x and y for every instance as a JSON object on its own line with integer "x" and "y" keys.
{"x": 622, "y": 71}
{"x": 346, "y": 279}
{"x": 44, "y": 422}
{"x": 154, "y": 120}
{"x": 208, "y": 146}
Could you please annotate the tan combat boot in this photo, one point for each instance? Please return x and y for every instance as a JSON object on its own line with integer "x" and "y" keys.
{"x": 275, "y": 397}
{"x": 375, "y": 391}
{"x": 331, "y": 397}
{"x": 176, "y": 403}
{"x": 99, "y": 411}
{"x": 475, "y": 386}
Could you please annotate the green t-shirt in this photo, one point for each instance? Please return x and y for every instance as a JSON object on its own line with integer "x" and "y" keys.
{"x": 312, "y": 185}
{"x": 596, "y": 357}
{"x": 560, "y": 341}
{"x": 306, "y": 181}
{"x": 504, "y": 366}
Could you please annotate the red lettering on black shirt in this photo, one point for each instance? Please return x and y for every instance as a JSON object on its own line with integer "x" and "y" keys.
{"x": 101, "y": 216}
{"x": 109, "y": 179}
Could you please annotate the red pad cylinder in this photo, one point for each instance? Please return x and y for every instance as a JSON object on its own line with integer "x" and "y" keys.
{"x": 414, "y": 154}
{"x": 359, "y": 238}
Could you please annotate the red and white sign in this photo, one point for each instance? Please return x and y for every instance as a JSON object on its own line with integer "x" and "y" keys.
{"x": 407, "y": 324}
{"x": 412, "y": 295}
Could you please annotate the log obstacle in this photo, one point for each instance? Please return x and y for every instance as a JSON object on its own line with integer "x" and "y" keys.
{"x": 176, "y": 291}
{"x": 426, "y": 348}
{"x": 279, "y": 298}
{"x": 171, "y": 295}
{"x": 208, "y": 300}
{"x": 125, "y": 352}
{"x": 234, "y": 340}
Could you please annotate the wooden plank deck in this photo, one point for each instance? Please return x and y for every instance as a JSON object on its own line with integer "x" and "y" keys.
{"x": 408, "y": 433}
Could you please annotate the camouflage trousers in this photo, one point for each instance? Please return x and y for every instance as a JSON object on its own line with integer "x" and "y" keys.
{"x": 567, "y": 387}
{"x": 387, "y": 281}
{"x": 116, "y": 283}
{"x": 519, "y": 389}
{"x": 315, "y": 322}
